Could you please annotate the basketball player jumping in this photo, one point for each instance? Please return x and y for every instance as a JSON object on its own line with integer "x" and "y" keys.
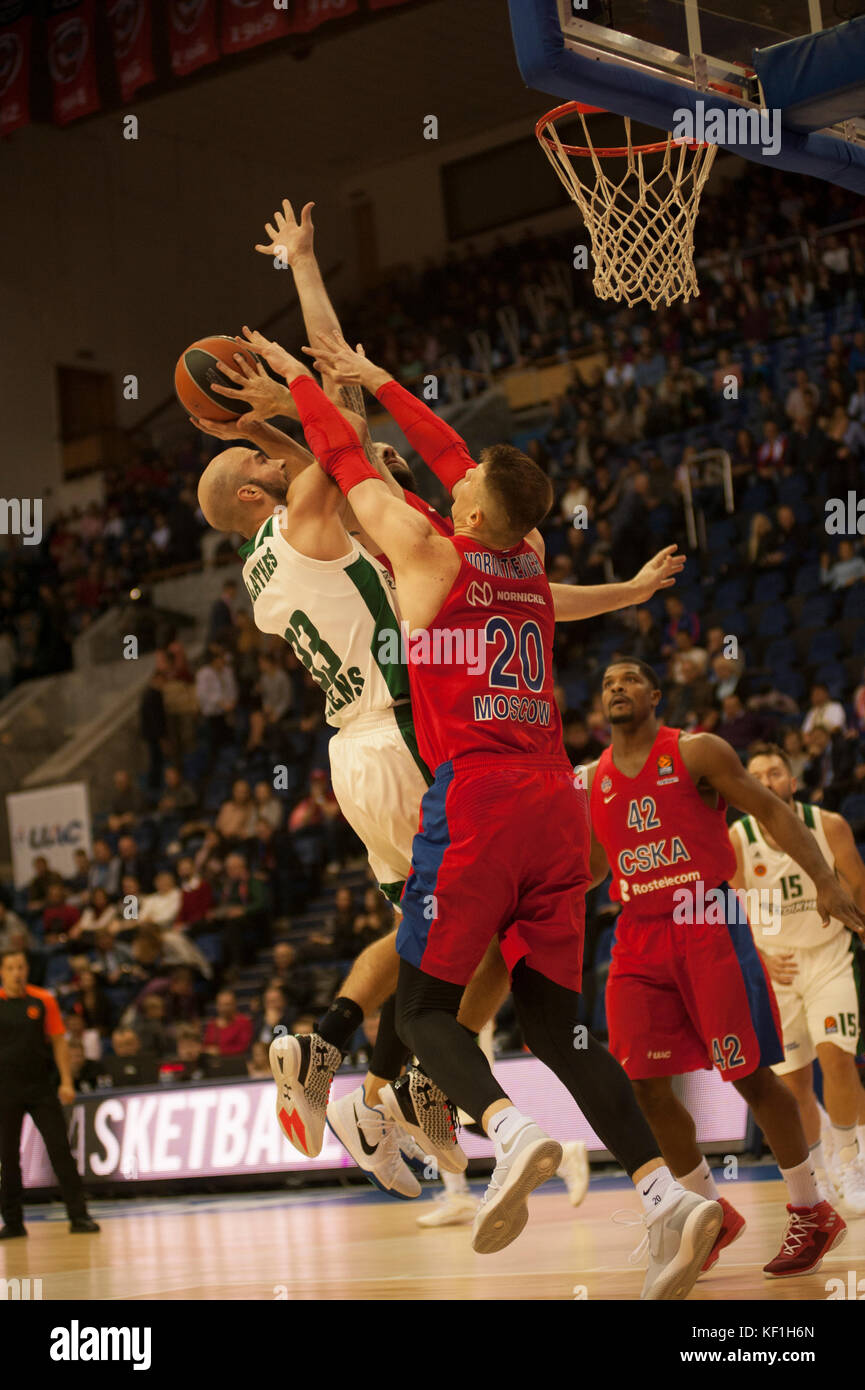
{"x": 812, "y": 968}
{"x": 686, "y": 987}
{"x": 503, "y": 843}
{"x": 313, "y": 584}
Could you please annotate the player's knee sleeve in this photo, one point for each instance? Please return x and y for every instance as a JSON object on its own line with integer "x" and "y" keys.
{"x": 417, "y": 996}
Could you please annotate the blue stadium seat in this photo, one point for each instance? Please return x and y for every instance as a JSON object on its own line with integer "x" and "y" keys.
{"x": 807, "y": 580}
{"x": 576, "y": 692}
{"x": 792, "y": 490}
{"x": 826, "y": 646}
{"x": 774, "y": 621}
{"x": 757, "y": 497}
{"x": 854, "y": 601}
{"x": 833, "y": 676}
{"x": 789, "y": 682}
{"x": 817, "y": 611}
{"x": 661, "y": 519}
{"x": 781, "y": 654}
{"x": 770, "y": 587}
{"x": 722, "y": 535}
{"x": 852, "y": 808}
{"x": 734, "y": 620}
{"x": 731, "y": 592}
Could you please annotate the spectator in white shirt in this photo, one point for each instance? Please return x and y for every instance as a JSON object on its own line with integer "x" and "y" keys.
{"x": 802, "y": 399}
{"x": 216, "y": 692}
{"x": 824, "y": 712}
{"x": 161, "y": 908}
{"x": 847, "y": 569}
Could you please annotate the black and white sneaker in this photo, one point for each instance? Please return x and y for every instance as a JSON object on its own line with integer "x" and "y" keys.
{"x": 419, "y": 1106}
{"x": 372, "y": 1139}
{"x": 303, "y": 1067}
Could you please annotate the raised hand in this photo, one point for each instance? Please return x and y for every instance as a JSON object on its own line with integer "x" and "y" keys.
{"x": 334, "y": 357}
{"x": 658, "y": 573}
{"x": 276, "y": 356}
{"x": 288, "y": 237}
{"x": 833, "y": 900}
{"x": 264, "y": 396}
{"x": 220, "y": 429}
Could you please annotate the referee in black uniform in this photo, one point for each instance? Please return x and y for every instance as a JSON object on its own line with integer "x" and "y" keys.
{"x": 32, "y": 1043}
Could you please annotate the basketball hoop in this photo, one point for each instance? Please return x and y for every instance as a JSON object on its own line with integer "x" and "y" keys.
{"x": 641, "y": 226}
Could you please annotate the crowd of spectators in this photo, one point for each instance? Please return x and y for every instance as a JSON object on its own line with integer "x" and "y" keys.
{"x": 171, "y": 946}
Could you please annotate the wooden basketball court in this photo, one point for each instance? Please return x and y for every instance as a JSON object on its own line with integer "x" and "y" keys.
{"x": 356, "y": 1244}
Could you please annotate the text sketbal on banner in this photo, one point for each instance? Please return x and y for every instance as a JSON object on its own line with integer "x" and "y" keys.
{"x": 208, "y": 1130}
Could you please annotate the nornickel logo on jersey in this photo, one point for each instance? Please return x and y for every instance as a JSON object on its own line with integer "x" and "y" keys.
{"x": 830, "y": 1025}
{"x": 479, "y": 595}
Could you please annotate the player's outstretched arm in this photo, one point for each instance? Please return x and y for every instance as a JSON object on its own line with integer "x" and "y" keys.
{"x": 713, "y": 760}
{"x": 294, "y": 242}
{"x": 575, "y": 601}
{"x": 848, "y": 861}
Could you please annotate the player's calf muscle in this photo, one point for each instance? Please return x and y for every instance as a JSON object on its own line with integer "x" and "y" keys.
{"x": 373, "y": 977}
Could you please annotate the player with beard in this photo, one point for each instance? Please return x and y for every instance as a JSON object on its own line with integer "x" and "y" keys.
{"x": 686, "y": 987}
{"x": 813, "y": 969}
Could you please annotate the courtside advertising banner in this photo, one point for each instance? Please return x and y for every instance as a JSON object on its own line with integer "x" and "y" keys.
{"x": 222, "y": 1130}
{"x": 54, "y": 821}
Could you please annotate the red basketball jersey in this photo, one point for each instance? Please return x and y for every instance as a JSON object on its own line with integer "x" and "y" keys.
{"x": 658, "y": 833}
{"x": 481, "y": 675}
{"x": 442, "y": 524}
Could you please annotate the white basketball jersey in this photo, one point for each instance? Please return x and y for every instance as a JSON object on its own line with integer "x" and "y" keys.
{"x": 340, "y": 616}
{"x": 768, "y": 869}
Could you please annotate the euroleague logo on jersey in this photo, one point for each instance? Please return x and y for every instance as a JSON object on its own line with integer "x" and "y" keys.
{"x": 665, "y": 770}
{"x": 33, "y": 1011}
{"x": 479, "y": 595}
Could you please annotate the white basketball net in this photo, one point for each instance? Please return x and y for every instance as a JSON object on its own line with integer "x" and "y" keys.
{"x": 641, "y": 227}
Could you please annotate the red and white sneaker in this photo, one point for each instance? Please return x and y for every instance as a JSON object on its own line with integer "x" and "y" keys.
{"x": 303, "y": 1067}
{"x": 811, "y": 1233}
{"x": 731, "y": 1228}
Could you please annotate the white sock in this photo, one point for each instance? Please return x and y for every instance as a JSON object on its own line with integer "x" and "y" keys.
{"x": 860, "y": 1135}
{"x": 455, "y": 1183}
{"x": 846, "y": 1145}
{"x": 701, "y": 1181}
{"x": 654, "y": 1187}
{"x": 504, "y": 1125}
{"x": 817, "y": 1156}
{"x": 802, "y": 1184}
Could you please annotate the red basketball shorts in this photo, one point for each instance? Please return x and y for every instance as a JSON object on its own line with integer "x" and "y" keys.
{"x": 687, "y": 996}
{"x": 502, "y": 849}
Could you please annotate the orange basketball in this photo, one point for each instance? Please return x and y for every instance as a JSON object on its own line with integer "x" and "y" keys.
{"x": 198, "y": 368}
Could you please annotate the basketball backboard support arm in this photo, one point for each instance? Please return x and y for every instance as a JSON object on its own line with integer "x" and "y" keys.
{"x": 569, "y": 58}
